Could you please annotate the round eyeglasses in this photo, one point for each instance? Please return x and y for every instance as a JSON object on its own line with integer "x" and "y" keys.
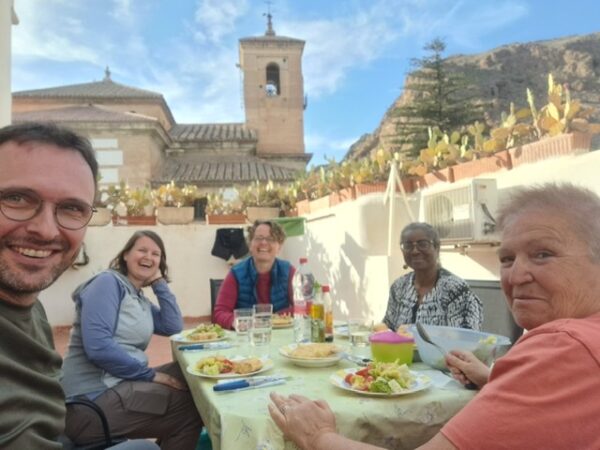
{"x": 22, "y": 205}
{"x": 421, "y": 244}
{"x": 267, "y": 239}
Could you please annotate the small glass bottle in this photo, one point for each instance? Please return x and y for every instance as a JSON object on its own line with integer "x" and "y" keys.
{"x": 328, "y": 306}
{"x": 317, "y": 319}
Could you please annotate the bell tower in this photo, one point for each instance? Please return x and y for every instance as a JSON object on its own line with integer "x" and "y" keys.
{"x": 274, "y": 94}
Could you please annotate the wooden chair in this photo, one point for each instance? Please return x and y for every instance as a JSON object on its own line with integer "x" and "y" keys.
{"x": 215, "y": 285}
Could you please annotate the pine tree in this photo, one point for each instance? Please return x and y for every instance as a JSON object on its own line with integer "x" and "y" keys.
{"x": 440, "y": 99}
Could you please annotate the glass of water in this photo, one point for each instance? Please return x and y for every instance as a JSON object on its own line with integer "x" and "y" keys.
{"x": 242, "y": 322}
{"x": 262, "y": 326}
{"x": 359, "y": 331}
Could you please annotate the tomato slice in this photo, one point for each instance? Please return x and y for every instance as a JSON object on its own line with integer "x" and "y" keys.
{"x": 363, "y": 372}
{"x": 348, "y": 378}
{"x": 227, "y": 366}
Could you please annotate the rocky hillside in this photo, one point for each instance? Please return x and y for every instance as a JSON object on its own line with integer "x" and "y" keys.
{"x": 502, "y": 75}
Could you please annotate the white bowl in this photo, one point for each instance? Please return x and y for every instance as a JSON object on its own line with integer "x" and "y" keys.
{"x": 450, "y": 338}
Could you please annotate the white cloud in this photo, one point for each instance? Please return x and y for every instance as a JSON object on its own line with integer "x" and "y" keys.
{"x": 51, "y": 30}
{"x": 123, "y": 12}
{"x": 336, "y": 46}
{"x": 194, "y": 69}
{"x": 217, "y": 18}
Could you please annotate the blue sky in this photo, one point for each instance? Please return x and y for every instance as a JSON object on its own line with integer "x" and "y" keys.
{"x": 356, "y": 56}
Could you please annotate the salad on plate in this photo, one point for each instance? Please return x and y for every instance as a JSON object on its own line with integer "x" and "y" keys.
{"x": 380, "y": 378}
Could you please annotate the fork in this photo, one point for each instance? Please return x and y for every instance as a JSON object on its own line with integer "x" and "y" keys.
{"x": 425, "y": 336}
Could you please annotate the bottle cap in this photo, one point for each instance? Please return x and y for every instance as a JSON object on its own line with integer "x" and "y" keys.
{"x": 303, "y": 260}
{"x": 325, "y": 288}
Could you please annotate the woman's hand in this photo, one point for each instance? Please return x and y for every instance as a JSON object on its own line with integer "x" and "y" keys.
{"x": 465, "y": 367}
{"x": 168, "y": 380}
{"x": 153, "y": 278}
{"x": 302, "y": 420}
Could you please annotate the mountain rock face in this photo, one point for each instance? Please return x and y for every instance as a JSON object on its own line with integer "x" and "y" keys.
{"x": 502, "y": 75}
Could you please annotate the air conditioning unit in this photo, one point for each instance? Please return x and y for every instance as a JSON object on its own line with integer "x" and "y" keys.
{"x": 463, "y": 213}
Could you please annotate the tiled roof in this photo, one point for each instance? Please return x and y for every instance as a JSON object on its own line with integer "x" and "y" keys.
{"x": 212, "y": 132}
{"x": 83, "y": 113}
{"x": 220, "y": 169}
{"x": 106, "y": 89}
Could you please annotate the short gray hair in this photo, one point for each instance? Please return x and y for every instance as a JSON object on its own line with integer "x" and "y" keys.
{"x": 578, "y": 205}
{"x": 431, "y": 232}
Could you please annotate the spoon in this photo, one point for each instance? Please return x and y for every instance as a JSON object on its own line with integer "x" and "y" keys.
{"x": 425, "y": 336}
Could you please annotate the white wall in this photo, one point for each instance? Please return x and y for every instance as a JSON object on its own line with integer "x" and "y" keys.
{"x": 188, "y": 255}
{"x": 7, "y": 19}
{"x": 346, "y": 247}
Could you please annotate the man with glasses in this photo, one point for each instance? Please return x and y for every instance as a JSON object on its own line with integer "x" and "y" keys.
{"x": 47, "y": 186}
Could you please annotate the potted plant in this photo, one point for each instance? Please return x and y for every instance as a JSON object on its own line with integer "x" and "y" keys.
{"x": 477, "y": 157}
{"x": 220, "y": 211}
{"x": 131, "y": 206}
{"x": 435, "y": 161}
{"x": 103, "y": 214}
{"x": 371, "y": 174}
{"x": 174, "y": 204}
{"x": 262, "y": 200}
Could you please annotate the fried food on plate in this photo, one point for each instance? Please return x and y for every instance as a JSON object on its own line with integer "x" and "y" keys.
{"x": 314, "y": 351}
{"x": 205, "y": 332}
{"x": 282, "y": 319}
{"x": 247, "y": 365}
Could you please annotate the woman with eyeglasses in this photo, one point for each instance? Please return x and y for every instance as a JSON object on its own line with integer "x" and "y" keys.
{"x": 106, "y": 360}
{"x": 260, "y": 278}
{"x": 430, "y": 294}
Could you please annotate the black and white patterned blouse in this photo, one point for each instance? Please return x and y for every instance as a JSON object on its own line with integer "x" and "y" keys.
{"x": 451, "y": 302}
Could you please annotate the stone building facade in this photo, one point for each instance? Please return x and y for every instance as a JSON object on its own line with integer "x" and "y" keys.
{"x": 138, "y": 140}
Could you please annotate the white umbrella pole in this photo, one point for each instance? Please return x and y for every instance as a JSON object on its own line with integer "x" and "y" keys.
{"x": 390, "y": 194}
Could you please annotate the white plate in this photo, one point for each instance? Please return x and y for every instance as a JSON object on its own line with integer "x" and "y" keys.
{"x": 309, "y": 362}
{"x": 267, "y": 364}
{"x": 182, "y": 337}
{"x": 337, "y": 379}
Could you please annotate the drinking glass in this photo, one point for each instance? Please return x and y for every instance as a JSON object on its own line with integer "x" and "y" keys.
{"x": 242, "y": 322}
{"x": 262, "y": 325}
{"x": 359, "y": 331}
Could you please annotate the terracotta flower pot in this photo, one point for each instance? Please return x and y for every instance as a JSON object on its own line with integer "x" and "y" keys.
{"x": 303, "y": 207}
{"x": 319, "y": 203}
{"x": 493, "y": 163}
{"x": 563, "y": 144}
{"x": 442, "y": 175}
{"x": 223, "y": 219}
{"x": 101, "y": 217}
{"x": 134, "y": 220}
{"x": 369, "y": 188}
{"x": 169, "y": 215}
{"x": 343, "y": 195}
{"x": 261, "y": 213}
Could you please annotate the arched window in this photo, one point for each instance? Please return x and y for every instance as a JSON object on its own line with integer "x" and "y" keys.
{"x": 272, "y": 87}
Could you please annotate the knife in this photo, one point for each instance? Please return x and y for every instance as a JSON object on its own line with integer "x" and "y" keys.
{"x": 208, "y": 346}
{"x": 248, "y": 383}
{"x": 356, "y": 359}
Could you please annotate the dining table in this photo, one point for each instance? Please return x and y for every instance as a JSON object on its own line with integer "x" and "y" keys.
{"x": 239, "y": 419}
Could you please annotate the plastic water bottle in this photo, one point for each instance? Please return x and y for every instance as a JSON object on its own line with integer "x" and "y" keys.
{"x": 303, "y": 286}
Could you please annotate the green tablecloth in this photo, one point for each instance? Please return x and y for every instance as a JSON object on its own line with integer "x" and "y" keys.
{"x": 240, "y": 420}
